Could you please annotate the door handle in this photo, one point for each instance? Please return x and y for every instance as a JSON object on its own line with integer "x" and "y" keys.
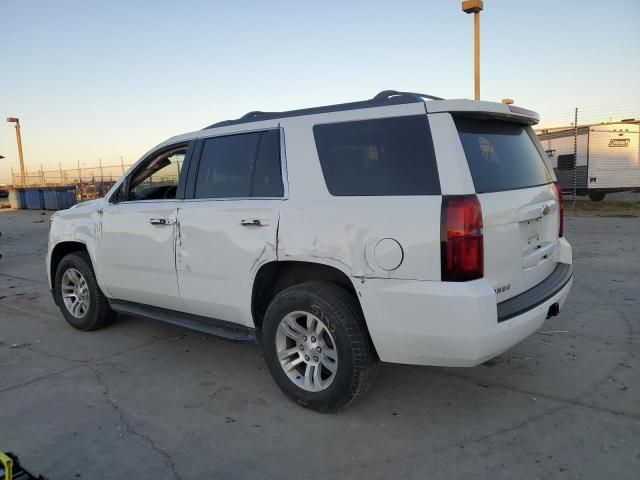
{"x": 160, "y": 221}
{"x": 257, "y": 222}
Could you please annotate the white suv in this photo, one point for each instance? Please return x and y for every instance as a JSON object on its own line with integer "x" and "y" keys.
{"x": 404, "y": 228}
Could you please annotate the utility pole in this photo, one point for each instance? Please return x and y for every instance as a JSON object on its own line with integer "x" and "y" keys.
{"x": 80, "y": 182}
{"x": 19, "y": 138}
{"x": 475, "y": 7}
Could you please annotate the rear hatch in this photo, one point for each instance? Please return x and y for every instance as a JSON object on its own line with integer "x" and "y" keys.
{"x": 520, "y": 206}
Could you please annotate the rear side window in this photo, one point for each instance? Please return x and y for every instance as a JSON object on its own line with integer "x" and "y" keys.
{"x": 243, "y": 165}
{"x": 501, "y": 155}
{"x": 389, "y": 156}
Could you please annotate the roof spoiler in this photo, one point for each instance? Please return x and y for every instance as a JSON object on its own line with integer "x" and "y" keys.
{"x": 485, "y": 109}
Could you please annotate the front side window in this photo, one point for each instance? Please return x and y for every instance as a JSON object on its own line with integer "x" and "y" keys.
{"x": 388, "y": 156}
{"x": 157, "y": 179}
{"x": 240, "y": 166}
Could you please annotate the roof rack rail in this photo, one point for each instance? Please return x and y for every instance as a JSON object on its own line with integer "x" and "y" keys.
{"x": 254, "y": 114}
{"x": 384, "y": 98}
{"x": 394, "y": 93}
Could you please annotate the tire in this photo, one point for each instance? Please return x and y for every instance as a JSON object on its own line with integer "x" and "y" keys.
{"x": 344, "y": 335}
{"x": 597, "y": 196}
{"x": 98, "y": 314}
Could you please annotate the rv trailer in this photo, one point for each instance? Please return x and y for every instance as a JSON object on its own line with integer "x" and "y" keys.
{"x": 608, "y": 157}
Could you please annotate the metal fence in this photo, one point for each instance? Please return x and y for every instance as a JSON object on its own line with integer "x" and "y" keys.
{"x": 90, "y": 182}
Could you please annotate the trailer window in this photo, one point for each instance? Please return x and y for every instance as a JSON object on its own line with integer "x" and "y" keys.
{"x": 502, "y": 155}
{"x": 566, "y": 162}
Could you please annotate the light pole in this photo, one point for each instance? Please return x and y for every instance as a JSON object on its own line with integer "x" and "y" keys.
{"x": 475, "y": 7}
{"x": 22, "y": 172}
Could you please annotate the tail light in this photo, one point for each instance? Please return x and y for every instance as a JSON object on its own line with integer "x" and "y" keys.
{"x": 560, "y": 209}
{"x": 462, "y": 251}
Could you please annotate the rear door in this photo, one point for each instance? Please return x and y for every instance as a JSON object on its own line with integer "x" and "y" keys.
{"x": 227, "y": 230}
{"x": 520, "y": 207}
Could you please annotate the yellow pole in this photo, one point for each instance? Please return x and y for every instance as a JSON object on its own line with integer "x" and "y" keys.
{"x": 475, "y": 7}
{"x": 19, "y": 138}
{"x": 476, "y": 27}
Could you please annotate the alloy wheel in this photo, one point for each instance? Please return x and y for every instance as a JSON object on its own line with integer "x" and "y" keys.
{"x": 75, "y": 292}
{"x": 306, "y": 351}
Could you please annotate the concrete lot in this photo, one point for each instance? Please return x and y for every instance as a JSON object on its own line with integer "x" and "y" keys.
{"x": 143, "y": 400}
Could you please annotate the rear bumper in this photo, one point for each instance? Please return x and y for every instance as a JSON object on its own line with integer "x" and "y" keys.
{"x": 562, "y": 274}
{"x": 452, "y": 324}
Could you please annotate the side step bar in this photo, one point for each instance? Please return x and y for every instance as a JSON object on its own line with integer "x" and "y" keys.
{"x": 212, "y": 326}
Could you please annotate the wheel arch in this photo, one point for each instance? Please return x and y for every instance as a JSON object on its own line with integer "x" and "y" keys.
{"x": 60, "y": 250}
{"x": 275, "y": 276}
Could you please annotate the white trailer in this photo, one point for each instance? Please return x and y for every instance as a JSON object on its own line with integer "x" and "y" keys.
{"x": 608, "y": 157}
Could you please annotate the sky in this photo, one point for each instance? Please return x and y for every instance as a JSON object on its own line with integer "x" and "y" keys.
{"x": 96, "y": 80}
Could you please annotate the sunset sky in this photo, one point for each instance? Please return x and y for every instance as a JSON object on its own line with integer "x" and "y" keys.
{"x": 93, "y": 80}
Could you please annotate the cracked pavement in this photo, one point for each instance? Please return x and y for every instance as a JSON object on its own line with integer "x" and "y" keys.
{"x": 144, "y": 400}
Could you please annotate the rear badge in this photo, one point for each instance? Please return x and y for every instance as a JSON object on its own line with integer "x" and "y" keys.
{"x": 545, "y": 209}
{"x": 502, "y": 289}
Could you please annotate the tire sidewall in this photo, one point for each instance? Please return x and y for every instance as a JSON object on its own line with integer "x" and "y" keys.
{"x": 79, "y": 263}
{"x": 326, "y": 399}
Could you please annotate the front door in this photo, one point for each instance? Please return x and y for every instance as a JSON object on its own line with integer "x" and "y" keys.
{"x": 136, "y": 247}
{"x": 228, "y": 229}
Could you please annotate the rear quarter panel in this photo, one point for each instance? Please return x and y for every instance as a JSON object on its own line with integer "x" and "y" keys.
{"x": 343, "y": 231}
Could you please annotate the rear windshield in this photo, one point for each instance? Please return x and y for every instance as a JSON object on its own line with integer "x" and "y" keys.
{"x": 501, "y": 155}
{"x": 386, "y": 156}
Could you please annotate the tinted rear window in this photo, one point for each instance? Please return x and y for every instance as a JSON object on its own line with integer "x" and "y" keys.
{"x": 501, "y": 155}
{"x": 389, "y": 156}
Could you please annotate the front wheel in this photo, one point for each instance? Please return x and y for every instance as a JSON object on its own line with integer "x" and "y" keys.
{"x": 316, "y": 346}
{"x": 597, "y": 196}
{"x": 78, "y": 295}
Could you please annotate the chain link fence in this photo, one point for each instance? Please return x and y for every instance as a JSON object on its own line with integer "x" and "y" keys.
{"x": 89, "y": 182}
{"x": 594, "y": 151}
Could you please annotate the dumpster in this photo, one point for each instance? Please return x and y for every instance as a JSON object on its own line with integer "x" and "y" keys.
{"x": 72, "y": 198}
{"x": 35, "y": 198}
{"x": 59, "y": 198}
{"x": 17, "y": 198}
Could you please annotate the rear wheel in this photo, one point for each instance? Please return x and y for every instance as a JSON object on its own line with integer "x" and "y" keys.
{"x": 597, "y": 196}
{"x": 316, "y": 346}
{"x": 78, "y": 295}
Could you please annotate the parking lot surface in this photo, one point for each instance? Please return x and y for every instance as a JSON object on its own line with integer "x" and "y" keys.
{"x": 144, "y": 400}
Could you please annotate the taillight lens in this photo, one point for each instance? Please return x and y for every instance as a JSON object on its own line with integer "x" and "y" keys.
{"x": 560, "y": 209}
{"x": 462, "y": 251}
